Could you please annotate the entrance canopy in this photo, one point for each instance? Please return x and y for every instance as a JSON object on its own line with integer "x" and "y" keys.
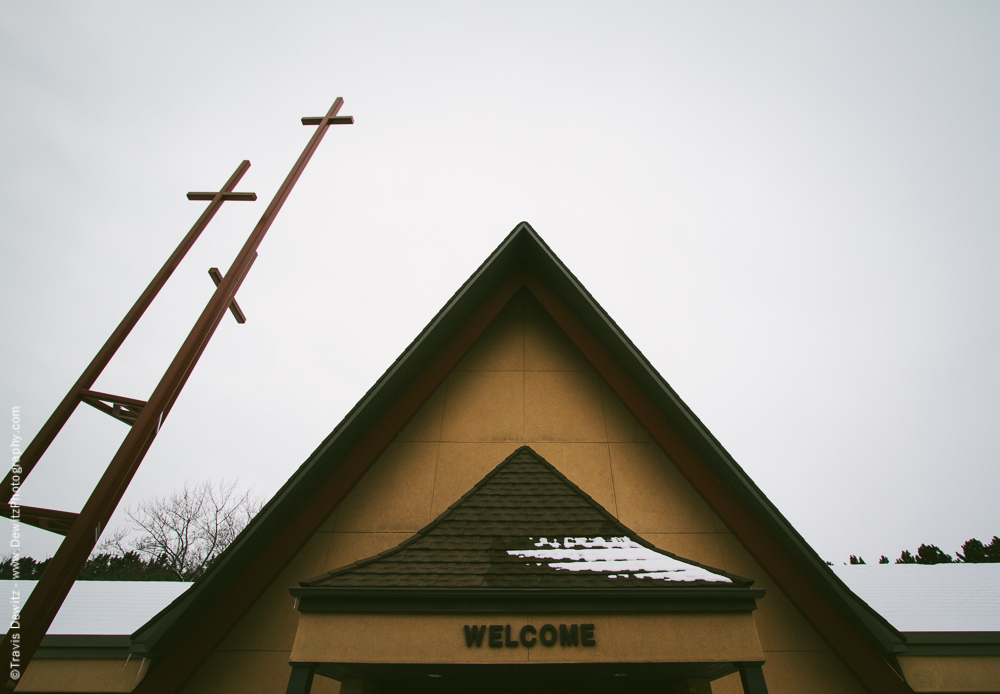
{"x": 526, "y": 582}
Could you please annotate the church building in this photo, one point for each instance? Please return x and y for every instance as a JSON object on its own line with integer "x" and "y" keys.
{"x": 521, "y": 503}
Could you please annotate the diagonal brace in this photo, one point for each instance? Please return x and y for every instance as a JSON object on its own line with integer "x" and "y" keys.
{"x": 45, "y": 518}
{"x": 123, "y": 409}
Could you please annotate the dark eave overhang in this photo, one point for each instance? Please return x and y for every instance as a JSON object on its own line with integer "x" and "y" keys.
{"x": 83, "y": 647}
{"x": 934, "y": 643}
{"x": 618, "y": 600}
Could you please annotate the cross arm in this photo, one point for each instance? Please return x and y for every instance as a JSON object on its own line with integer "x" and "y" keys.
{"x": 331, "y": 120}
{"x": 234, "y": 307}
{"x": 247, "y": 197}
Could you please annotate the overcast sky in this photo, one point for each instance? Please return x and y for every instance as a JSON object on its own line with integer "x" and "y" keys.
{"x": 792, "y": 209}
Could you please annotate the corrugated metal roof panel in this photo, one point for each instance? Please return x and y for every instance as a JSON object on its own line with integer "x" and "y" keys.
{"x": 105, "y": 607}
{"x": 938, "y": 597}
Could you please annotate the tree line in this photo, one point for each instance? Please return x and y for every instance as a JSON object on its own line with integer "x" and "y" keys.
{"x": 173, "y": 538}
{"x": 973, "y": 552}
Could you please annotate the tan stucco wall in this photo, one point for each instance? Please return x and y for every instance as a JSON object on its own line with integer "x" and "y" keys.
{"x": 524, "y": 382}
{"x": 58, "y": 675}
{"x": 952, "y": 673}
{"x": 440, "y": 638}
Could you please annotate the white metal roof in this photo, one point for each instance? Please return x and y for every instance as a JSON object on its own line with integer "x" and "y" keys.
{"x": 937, "y": 597}
{"x": 105, "y": 607}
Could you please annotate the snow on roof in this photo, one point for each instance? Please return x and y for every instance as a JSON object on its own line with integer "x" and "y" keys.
{"x": 619, "y": 557}
{"x": 937, "y": 597}
{"x": 105, "y": 607}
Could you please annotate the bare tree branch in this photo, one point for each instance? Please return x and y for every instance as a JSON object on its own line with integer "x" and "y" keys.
{"x": 188, "y": 530}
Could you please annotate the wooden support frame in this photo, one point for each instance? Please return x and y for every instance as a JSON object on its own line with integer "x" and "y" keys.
{"x": 125, "y": 410}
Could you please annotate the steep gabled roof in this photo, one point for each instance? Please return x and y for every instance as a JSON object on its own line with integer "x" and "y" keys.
{"x": 525, "y": 525}
{"x": 189, "y": 629}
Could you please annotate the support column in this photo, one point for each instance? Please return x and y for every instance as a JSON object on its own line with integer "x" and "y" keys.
{"x": 301, "y": 679}
{"x": 752, "y": 675}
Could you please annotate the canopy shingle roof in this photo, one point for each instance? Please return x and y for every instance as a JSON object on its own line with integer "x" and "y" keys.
{"x": 525, "y": 525}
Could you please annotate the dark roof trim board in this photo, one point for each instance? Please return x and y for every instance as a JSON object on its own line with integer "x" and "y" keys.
{"x": 186, "y": 632}
{"x": 521, "y": 600}
{"x": 83, "y": 646}
{"x": 932, "y": 643}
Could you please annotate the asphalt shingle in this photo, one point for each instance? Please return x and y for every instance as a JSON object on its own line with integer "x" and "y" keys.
{"x": 525, "y": 525}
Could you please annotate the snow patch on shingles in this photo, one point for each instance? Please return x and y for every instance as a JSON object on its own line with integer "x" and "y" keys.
{"x": 619, "y": 557}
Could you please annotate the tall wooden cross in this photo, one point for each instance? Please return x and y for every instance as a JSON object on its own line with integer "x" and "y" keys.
{"x": 84, "y": 533}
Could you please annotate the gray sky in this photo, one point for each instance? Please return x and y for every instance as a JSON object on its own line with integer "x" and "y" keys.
{"x": 792, "y": 210}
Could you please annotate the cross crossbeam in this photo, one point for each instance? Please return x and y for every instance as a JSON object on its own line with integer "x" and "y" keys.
{"x": 328, "y": 120}
{"x": 223, "y": 195}
{"x": 331, "y": 117}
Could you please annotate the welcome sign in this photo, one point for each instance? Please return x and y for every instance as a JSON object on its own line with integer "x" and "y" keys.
{"x": 499, "y": 635}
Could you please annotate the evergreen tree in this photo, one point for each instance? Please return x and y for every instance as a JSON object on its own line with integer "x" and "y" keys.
{"x": 932, "y": 554}
{"x": 100, "y": 567}
{"x": 975, "y": 552}
{"x": 883, "y": 559}
{"x": 129, "y": 566}
{"x": 28, "y": 568}
{"x": 926, "y": 554}
{"x": 857, "y": 560}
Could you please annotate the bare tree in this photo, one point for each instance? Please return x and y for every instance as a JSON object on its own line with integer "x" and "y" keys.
{"x": 188, "y": 530}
